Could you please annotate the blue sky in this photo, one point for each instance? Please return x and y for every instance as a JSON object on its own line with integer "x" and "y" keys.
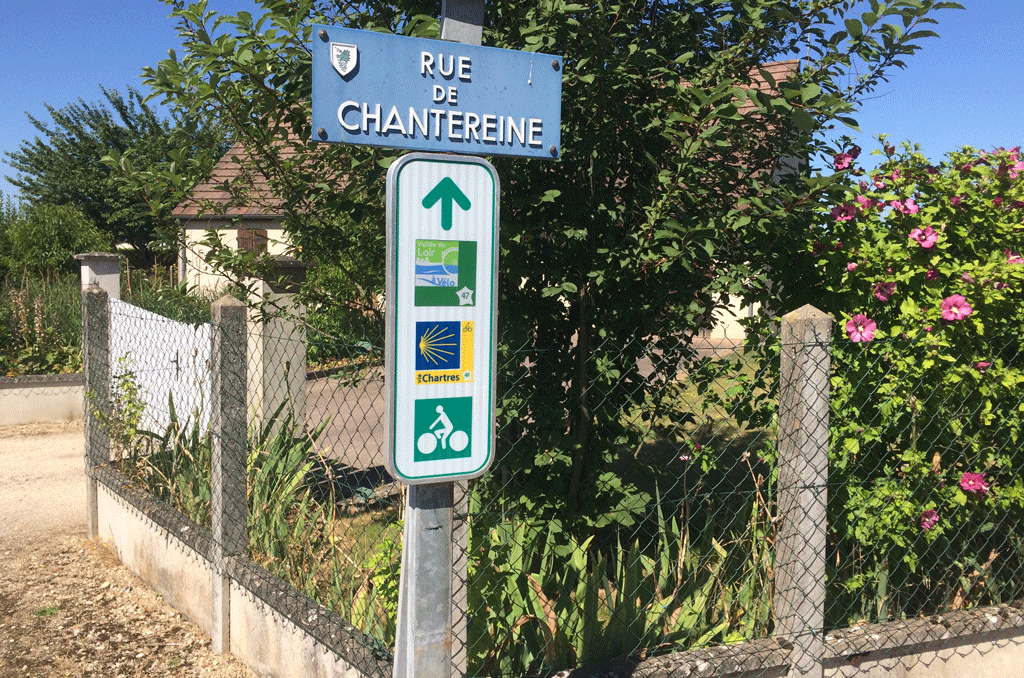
{"x": 966, "y": 87}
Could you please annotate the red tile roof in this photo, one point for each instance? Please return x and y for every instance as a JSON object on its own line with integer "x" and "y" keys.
{"x": 253, "y": 198}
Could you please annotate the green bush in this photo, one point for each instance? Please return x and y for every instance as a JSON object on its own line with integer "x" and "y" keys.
{"x": 922, "y": 264}
{"x": 41, "y": 239}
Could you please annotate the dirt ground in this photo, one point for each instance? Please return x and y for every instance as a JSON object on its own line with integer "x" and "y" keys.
{"x": 67, "y": 606}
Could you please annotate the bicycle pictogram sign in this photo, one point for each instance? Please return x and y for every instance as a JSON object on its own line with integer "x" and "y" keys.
{"x": 441, "y": 428}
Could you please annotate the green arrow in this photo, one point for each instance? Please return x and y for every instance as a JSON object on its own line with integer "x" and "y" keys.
{"x": 447, "y": 192}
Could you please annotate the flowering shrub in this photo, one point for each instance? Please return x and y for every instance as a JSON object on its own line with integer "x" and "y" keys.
{"x": 921, "y": 267}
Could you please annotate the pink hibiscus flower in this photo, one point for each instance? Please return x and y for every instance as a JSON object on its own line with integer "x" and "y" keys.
{"x": 861, "y": 328}
{"x": 974, "y": 483}
{"x": 955, "y": 307}
{"x": 851, "y": 266}
{"x": 925, "y": 237}
{"x": 907, "y": 206}
{"x": 982, "y": 366}
{"x": 884, "y": 290}
{"x": 844, "y": 212}
{"x": 931, "y": 274}
{"x": 1013, "y": 257}
{"x": 842, "y": 161}
{"x": 929, "y": 519}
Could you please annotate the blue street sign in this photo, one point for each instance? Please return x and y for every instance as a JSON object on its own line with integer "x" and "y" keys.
{"x": 380, "y": 89}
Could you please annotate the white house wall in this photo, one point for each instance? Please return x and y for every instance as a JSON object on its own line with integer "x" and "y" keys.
{"x": 197, "y": 273}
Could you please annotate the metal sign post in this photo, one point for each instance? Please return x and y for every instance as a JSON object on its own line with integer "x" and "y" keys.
{"x": 442, "y": 308}
{"x": 423, "y": 643}
{"x": 447, "y": 96}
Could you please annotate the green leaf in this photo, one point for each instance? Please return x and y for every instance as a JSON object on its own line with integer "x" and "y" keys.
{"x": 809, "y": 91}
{"x": 803, "y": 120}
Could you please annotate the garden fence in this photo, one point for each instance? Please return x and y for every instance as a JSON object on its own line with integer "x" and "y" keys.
{"x": 745, "y": 505}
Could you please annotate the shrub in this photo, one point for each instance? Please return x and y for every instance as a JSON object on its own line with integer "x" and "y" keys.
{"x": 44, "y": 238}
{"x": 921, "y": 266}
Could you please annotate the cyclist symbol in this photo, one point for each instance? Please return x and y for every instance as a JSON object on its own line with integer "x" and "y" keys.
{"x": 446, "y": 435}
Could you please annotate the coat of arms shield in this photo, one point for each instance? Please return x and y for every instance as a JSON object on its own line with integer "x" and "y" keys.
{"x": 344, "y": 58}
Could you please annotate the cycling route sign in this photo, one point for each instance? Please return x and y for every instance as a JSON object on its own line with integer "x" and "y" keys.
{"x": 442, "y": 244}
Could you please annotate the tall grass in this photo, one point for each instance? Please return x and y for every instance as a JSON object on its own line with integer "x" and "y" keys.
{"x": 157, "y": 291}
{"x": 41, "y": 316}
{"x": 543, "y": 600}
{"x": 40, "y": 325}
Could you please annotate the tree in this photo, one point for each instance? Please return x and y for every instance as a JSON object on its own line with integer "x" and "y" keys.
{"x": 43, "y": 239}
{"x": 667, "y": 199}
{"x": 63, "y": 166}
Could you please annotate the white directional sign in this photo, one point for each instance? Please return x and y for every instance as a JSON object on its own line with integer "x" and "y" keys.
{"x": 442, "y": 244}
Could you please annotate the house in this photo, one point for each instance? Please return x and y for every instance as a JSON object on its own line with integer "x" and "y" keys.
{"x": 726, "y": 326}
{"x": 248, "y": 223}
{"x": 248, "y": 218}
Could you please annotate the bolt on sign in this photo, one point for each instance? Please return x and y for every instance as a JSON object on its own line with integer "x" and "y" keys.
{"x": 394, "y": 91}
{"x": 442, "y": 247}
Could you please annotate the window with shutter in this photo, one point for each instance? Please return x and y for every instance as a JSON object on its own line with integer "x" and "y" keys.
{"x": 252, "y": 240}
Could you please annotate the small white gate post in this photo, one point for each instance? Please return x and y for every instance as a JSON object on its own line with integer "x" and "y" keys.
{"x": 101, "y": 281}
{"x": 96, "y": 368}
{"x": 103, "y": 269}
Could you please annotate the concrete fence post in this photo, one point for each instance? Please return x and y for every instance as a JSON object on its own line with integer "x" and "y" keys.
{"x": 802, "y": 488}
{"x": 97, "y": 406}
{"x": 277, "y": 347}
{"x": 229, "y": 506}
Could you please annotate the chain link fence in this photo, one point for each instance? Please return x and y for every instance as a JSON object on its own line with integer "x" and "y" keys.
{"x": 649, "y": 502}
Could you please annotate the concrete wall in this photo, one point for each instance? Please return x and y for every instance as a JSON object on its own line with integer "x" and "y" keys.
{"x": 272, "y": 646}
{"x": 173, "y": 569}
{"x": 984, "y": 642}
{"x": 42, "y": 399}
{"x": 986, "y": 659}
{"x": 169, "y": 553}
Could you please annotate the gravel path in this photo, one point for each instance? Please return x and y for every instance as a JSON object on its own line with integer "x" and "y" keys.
{"x": 67, "y": 606}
